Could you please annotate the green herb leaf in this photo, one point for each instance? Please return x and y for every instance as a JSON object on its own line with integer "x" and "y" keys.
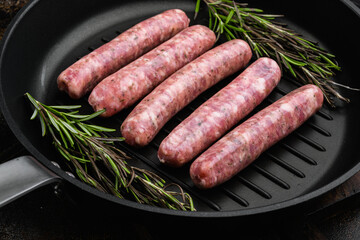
{"x": 35, "y": 113}
{"x": 197, "y": 8}
{"x": 65, "y": 107}
{"x": 93, "y": 115}
{"x": 229, "y": 17}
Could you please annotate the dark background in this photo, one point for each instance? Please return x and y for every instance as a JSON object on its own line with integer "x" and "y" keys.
{"x": 47, "y": 214}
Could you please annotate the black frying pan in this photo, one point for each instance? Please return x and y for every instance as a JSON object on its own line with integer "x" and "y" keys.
{"x": 48, "y": 35}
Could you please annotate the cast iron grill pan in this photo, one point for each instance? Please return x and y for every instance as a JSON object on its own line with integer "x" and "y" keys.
{"x": 311, "y": 157}
{"x": 285, "y": 170}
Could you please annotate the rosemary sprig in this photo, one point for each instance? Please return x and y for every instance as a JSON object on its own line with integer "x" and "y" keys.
{"x": 97, "y": 162}
{"x": 303, "y": 59}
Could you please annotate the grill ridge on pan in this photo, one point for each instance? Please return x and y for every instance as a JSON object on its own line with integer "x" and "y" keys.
{"x": 241, "y": 191}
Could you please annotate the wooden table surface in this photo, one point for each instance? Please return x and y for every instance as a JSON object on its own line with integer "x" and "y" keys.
{"x": 44, "y": 215}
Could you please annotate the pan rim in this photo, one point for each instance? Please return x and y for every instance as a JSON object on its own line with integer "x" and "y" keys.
{"x": 302, "y": 199}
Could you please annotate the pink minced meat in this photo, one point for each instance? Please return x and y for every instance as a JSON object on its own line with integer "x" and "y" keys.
{"x": 83, "y": 75}
{"x": 245, "y": 143}
{"x": 151, "y": 114}
{"x": 131, "y": 83}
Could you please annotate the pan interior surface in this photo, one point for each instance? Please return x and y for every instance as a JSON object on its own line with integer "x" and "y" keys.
{"x": 49, "y": 36}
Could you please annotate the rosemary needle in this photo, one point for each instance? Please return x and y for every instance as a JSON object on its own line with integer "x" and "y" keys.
{"x": 302, "y": 59}
{"x": 97, "y": 162}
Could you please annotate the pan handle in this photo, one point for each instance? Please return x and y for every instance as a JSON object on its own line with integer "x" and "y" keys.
{"x": 22, "y": 175}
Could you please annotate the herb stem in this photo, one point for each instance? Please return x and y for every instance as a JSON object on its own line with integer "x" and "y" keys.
{"x": 97, "y": 162}
{"x": 302, "y": 59}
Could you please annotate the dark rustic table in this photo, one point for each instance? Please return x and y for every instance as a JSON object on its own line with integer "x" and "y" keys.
{"x": 45, "y": 214}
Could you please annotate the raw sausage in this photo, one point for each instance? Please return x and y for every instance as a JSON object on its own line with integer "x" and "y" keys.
{"x": 150, "y": 115}
{"x": 221, "y": 112}
{"x": 245, "y": 143}
{"x": 83, "y": 75}
{"x": 134, "y": 81}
